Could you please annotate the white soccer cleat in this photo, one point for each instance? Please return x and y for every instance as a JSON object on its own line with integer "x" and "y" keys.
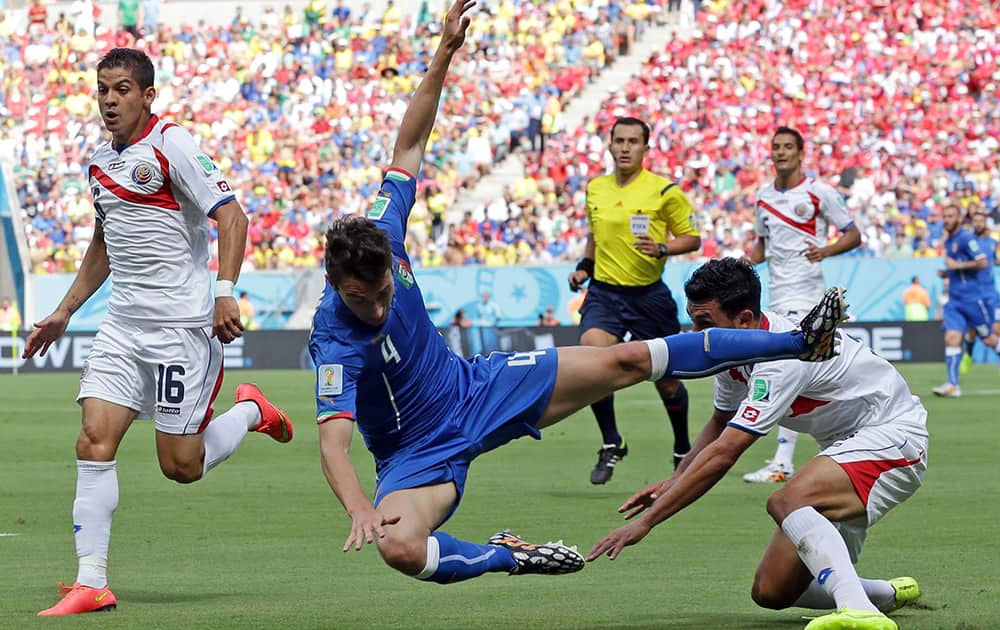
{"x": 947, "y": 391}
{"x": 772, "y": 473}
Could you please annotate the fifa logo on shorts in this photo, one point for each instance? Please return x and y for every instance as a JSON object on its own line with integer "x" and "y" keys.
{"x": 142, "y": 173}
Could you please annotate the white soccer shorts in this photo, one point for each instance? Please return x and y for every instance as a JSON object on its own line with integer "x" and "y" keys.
{"x": 886, "y": 465}
{"x": 171, "y": 375}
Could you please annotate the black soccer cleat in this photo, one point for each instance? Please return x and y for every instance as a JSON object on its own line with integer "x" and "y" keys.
{"x": 819, "y": 326}
{"x": 607, "y": 458}
{"x": 553, "y": 558}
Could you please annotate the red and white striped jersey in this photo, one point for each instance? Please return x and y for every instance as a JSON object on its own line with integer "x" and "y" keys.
{"x": 789, "y": 220}
{"x": 828, "y": 400}
{"x": 153, "y": 198}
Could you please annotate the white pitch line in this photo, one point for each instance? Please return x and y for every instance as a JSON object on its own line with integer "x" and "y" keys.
{"x": 7, "y": 534}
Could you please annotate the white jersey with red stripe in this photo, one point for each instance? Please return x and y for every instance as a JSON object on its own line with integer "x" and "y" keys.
{"x": 789, "y": 220}
{"x": 153, "y": 198}
{"x": 830, "y": 400}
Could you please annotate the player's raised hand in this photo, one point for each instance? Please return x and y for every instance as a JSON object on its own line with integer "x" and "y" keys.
{"x": 46, "y": 332}
{"x": 456, "y": 22}
{"x": 644, "y": 498}
{"x": 226, "y": 324}
{"x": 613, "y": 543}
{"x": 366, "y": 525}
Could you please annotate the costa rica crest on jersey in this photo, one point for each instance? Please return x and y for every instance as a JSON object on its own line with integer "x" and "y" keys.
{"x": 142, "y": 173}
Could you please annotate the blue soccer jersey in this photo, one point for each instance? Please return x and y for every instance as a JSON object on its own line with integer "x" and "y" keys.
{"x": 417, "y": 404}
{"x": 988, "y": 246}
{"x": 963, "y": 284}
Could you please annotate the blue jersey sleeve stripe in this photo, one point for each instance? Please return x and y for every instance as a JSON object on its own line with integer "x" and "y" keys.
{"x": 743, "y": 428}
{"x": 221, "y": 203}
{"x": 849, "y": 225}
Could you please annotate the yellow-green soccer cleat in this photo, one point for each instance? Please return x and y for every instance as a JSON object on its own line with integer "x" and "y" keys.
{"x": 847, "y": 619}
{"x": 907, "y": 591}
{"x": 966, "y": 364}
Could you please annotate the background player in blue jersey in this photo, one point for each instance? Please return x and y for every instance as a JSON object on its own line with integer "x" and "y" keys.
{"x": 987, "y": 245}
{"x": 967, "y": 308}
{"x": 425, "y": 413}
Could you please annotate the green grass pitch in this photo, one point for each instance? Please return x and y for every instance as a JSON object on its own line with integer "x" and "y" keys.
{"x": 257, "y": 544}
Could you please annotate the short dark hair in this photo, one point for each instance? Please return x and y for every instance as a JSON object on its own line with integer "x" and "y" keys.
{"x": 356, "y": 247}
{"x": 732, "y": 282}
{"x": 135, "y": 61}
{"x": 632, "y": 120}
{"x": 799, "y": 142}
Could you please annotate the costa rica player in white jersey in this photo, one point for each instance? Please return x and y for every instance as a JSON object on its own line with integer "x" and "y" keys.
{"x": 794, "y": 214}
{"x": 873, "y": 436}
{"x": 158, "y": 353}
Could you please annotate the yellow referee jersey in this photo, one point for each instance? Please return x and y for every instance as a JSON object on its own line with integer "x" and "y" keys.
{"x": 650, "y": 205}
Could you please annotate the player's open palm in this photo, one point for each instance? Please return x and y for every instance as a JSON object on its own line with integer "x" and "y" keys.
{"x": 613, "y": 543}
{"x": 226, "y": 324}
{"x": 456, "y": 22}
{"x": 366, "y": 525}
{"x": 46, "y": 332}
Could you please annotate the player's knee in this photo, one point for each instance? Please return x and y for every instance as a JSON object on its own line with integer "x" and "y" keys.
{"x": 631, "y": 358}
{"x": 404, "y": 555}
{"x": 181, "y": 472}
{"x": 781, "y": 504}
{"x": 92, "y": 446}
{"x": 767, "y": 593}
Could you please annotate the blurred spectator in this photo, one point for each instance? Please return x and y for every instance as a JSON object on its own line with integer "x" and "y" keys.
{"x": 10, "y": 318}
{"x": 548, "y": 317}
{"x": 916, "y": 302}
{"x": 246, "y": 312}
{"x": 128, "y": 16}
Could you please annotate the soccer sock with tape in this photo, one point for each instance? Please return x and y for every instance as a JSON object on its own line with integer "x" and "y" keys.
{"x": 93, "y": 509}
{"x": 785, "y": 453}
{"x": 699, "y": 354}
{"x": 223, "y": 434}
{"x": 880, "y": 592}
{"x": 825, "y": 554}
{"x": 952, "y": 361}
{"x": 452, "y": 560}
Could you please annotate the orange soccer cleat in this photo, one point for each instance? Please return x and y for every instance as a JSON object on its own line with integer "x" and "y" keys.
{"x": 273, "y": 421}
{"x": 79, "y": 599}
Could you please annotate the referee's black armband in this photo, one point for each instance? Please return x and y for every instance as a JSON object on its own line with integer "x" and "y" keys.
{"x": 586, "y": 264}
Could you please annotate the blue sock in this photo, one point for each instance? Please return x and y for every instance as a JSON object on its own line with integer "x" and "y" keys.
{"x": 452, "y": 560}
{"x": 952, "y": 360}
{"x": 692, "y": 357}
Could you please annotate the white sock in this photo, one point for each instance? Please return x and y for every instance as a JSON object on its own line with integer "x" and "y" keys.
{"x": 785, "y": 454}
{"x": 659, "y": 357}
{"x": 433, "y": 558}
{"x": 880, "y": 592}
{"x": 225, "y": 433}
{"x": 824, "y": 553}
{"x": 93, "y": 509}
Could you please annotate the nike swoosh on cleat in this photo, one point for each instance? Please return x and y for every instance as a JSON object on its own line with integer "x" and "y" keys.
{"x": 100, "y": 598}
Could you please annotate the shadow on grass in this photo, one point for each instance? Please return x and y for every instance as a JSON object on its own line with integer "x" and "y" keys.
{"x": 173, "y": 597}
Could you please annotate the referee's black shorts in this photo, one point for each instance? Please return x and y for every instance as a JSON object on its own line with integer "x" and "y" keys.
{"x": 646, "y": 312}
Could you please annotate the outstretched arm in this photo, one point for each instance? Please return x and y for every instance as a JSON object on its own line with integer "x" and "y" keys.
{"x": 366, "y": 522}
{"x": 94, "y": 270}
{"x": 419, "y": 118}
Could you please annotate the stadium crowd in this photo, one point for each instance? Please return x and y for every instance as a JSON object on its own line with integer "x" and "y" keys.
{"x": 301, "y": 108}
{"x": 898, "y": 104}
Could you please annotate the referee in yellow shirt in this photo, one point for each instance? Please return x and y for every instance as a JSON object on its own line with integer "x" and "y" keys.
{"x": 631, "y": 212}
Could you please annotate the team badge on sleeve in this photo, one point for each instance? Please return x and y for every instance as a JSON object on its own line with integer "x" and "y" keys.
{"x": 750, "y": 414}
{"x": 377, "y": 211}
{"x": 205, "y": 163}
{"x": 223, "y": 186}
{"x": 404, "y": 274}
{"x": 330, "y": 379}
{"x": 761, "y": 390}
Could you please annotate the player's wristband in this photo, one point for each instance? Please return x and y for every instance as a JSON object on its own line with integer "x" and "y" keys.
{"x": 223, "y": 288}
{"x": 586, "y": 264}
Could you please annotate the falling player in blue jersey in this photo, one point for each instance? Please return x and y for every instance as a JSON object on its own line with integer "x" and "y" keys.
{"x": 425, "y": 413}
{"x": 968, "y": 308}
{"x": 987, "y": 282}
